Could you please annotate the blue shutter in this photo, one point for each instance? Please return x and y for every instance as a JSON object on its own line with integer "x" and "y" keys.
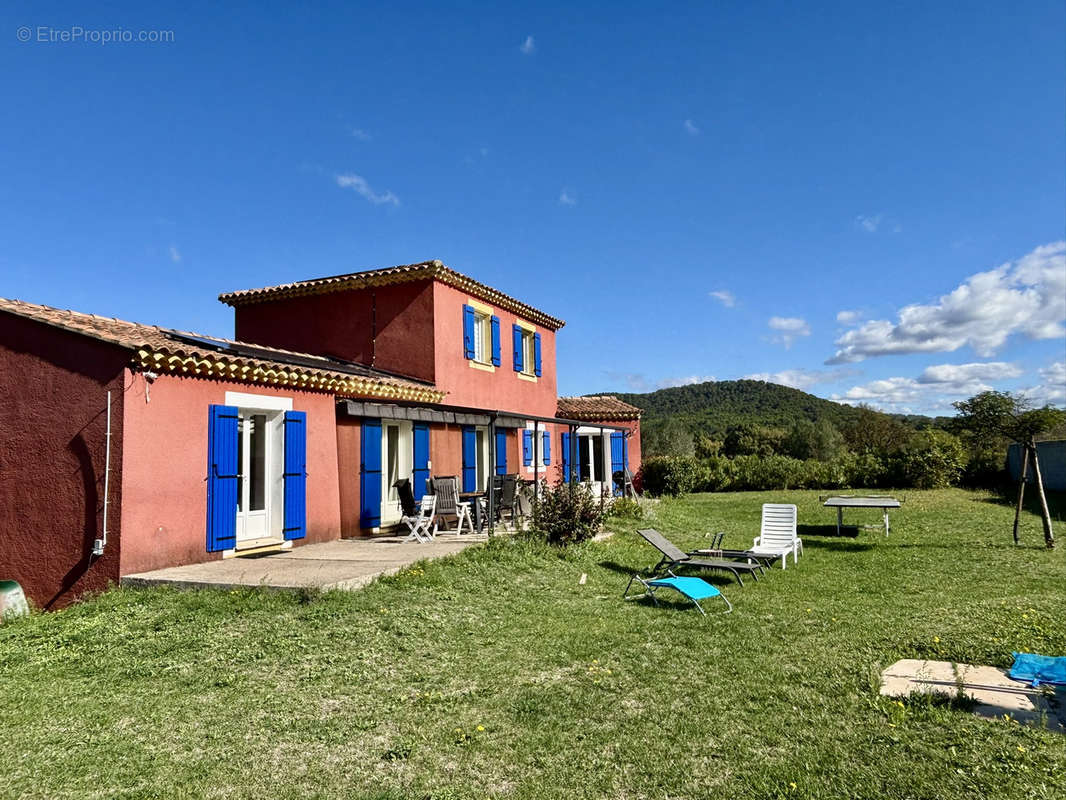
{"x": 566, "y": 457}
{"x": 618, "y": 457}
{"x": 547, "y": 447}
{"x": 516, "y": 335}
{"x": 501, "y": 452}
{"x": 294, "y": 473}
{"x": 468, "y": 331}
{"x": 495, "y": 340}
{"x": 222, "y": 469}
{"x": 469, "y": 459}
{"x": 420, "y": 473}
{"x": 527, "y": 448}
{"x": 536, "y": 354}
{"x": 370, "y": 475}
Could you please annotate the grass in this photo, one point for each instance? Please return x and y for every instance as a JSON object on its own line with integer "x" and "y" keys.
{"x": 497, "y": 673}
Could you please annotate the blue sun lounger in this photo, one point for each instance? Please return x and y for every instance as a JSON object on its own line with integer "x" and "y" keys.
{"x": 695, "y": 589}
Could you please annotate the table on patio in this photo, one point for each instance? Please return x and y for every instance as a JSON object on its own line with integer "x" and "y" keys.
{"x": 845, "y": 501}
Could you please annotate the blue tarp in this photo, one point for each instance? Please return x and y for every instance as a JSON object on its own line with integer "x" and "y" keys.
{"x": 1039, "y": 669}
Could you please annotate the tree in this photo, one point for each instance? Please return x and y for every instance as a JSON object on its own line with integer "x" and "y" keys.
{"x": 876, "y": 432}
{"x": 1011, "y": 416}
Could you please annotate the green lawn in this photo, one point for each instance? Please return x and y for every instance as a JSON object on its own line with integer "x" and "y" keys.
{"x": 498, "y": 673}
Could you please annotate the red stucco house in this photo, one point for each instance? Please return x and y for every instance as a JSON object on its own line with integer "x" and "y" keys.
{"x": 127, "y": 447}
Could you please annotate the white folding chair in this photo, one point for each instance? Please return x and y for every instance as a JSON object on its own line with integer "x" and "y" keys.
{"x": 778, "y": 534}
{"x": 423, "y": 525}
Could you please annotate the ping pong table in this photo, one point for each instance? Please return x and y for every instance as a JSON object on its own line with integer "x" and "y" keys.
{"x": 847, "y": 501}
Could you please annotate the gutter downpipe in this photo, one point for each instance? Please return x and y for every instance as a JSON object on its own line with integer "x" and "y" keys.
{"x": 492, "y": 471}
{"x": 101, "y": 543}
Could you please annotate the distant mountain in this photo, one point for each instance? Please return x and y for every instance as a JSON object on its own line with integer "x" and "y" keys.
{"x": 712, "y": 408}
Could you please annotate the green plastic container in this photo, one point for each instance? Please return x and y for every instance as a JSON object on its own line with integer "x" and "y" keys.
{"x": 12, "y": 601}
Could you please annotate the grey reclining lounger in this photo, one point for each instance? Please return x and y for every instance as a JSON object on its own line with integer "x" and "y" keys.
{"x": 674, "y": 557}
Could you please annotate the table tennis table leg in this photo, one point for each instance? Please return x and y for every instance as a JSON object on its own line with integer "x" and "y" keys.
{"x": 885, "y": 511}
{"x": 840, "y": 518}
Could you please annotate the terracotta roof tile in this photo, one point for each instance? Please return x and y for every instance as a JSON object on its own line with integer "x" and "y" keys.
{"x": 181, "y": 352}
{"x": 424, "y": 270}
{"x": 597, "y": 407}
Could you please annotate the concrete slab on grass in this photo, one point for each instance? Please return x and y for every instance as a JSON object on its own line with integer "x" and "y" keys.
{"x": 993, "y": 691}
{"x": 343, "y": 564}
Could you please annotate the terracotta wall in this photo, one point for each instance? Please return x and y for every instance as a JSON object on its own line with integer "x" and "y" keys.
{"x": 387, "y": 327}
{"x": 165, "y": 464}
{"x": 53, "y": 400}
{"x": 501, "y": 390}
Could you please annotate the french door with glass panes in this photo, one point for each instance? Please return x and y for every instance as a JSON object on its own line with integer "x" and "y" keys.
{"x": 255, "y": 440}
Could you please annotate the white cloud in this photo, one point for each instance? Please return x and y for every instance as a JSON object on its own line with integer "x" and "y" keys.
{"x": 869, "y": 224}
{"x": 687, "y": 380}
{"x": 691, "y": 129}
{"x": 1026, "y": 296}
{"x": 528, "y": 47}
{"x": 791, "y": 328}
{"x": 1052, "y": 389}
{"x": 936, "y": 388}
{"x": 801, "y": 378}
{"x": 361, "y": 135}
{"x": 848, "y": 317}
{"x": 567, "y": 199}
{"x": 358, "y": 184}
{"x": 175, "y": 254}
{"x": 725, "y": 297}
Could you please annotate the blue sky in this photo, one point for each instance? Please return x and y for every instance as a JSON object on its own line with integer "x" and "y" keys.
{"x": 700, "y": 191}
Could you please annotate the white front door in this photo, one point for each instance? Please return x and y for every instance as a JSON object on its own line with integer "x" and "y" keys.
{"x": 397, "y": 456}
{"x": 255, "y": 444}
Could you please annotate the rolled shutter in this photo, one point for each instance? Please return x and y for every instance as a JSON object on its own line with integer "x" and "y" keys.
{"x": 501, "y": 452}
{"x": 618, "y": 458}
{"x": 370, "y": 475}
{"x": 527, "y": 448}
{"x": 516, "y": 336}
{"x": 495, "y": 340}
{"x": 469, "y": 459}
{"x": 294, "y": 474}
{"x": 420, "y": 472}
{"x": 547, "y": 447}
{"x": 468, "y": 331}
{"x": 536, "y": 354}
{"x": 565, "y": 440}
{"x": 222, "y": 469}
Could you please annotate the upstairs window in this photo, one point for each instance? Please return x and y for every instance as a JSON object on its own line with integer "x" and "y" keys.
{"x": 526, "y": 351}
{"x": 481, "y": 336}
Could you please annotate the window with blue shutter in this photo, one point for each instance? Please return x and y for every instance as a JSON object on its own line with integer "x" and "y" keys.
{"x": 469, "y": 459}
{"x": 547, "y": 448}
{"x": 370, "y": 475}
{"x": 618, "y": 458}
{"x": 468, "y": 331}
{"x": 501, "y": 452}
{"x": 495, "y": 341}
{"x": 565, "y": 441}
{"x": 294, "y": 475}
{"x": 222, "y": 469}
{"x": 420, "y": 472}
{"x": 536, "y": 354}
{"x": 527, "y": 448}
{"x": 516, "y": 335}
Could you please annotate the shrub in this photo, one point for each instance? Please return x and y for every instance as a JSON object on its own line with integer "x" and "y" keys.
{"x": 934, "y": 460}
{"x": 672, "y": 475}
{"x": 769, "y": 472}
{"x": 625, "y": 508}
{"x": 567, "y": 513}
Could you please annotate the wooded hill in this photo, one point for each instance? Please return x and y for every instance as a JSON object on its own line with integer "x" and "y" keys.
{"x": 711, "y": 409}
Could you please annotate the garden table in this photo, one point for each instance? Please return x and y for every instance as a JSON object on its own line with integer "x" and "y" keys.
{"x": 845, "y": 501}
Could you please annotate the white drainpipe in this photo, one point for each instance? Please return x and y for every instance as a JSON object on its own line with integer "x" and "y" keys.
{"x": 101, "y": 543}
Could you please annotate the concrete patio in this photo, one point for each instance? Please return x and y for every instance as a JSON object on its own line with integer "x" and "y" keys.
{"x": 344, "y": 564}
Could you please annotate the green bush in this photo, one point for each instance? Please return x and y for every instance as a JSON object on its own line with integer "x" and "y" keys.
{"x": 934, "y": 460}
{"x": 567, "y": 513}
{"x": 625, "y": 508}
{"x": 672, "y": 475}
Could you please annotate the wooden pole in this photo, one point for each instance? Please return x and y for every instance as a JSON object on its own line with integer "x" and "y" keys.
{"x": 1021, "y": 490}
{"x": 1049, "y": 534}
